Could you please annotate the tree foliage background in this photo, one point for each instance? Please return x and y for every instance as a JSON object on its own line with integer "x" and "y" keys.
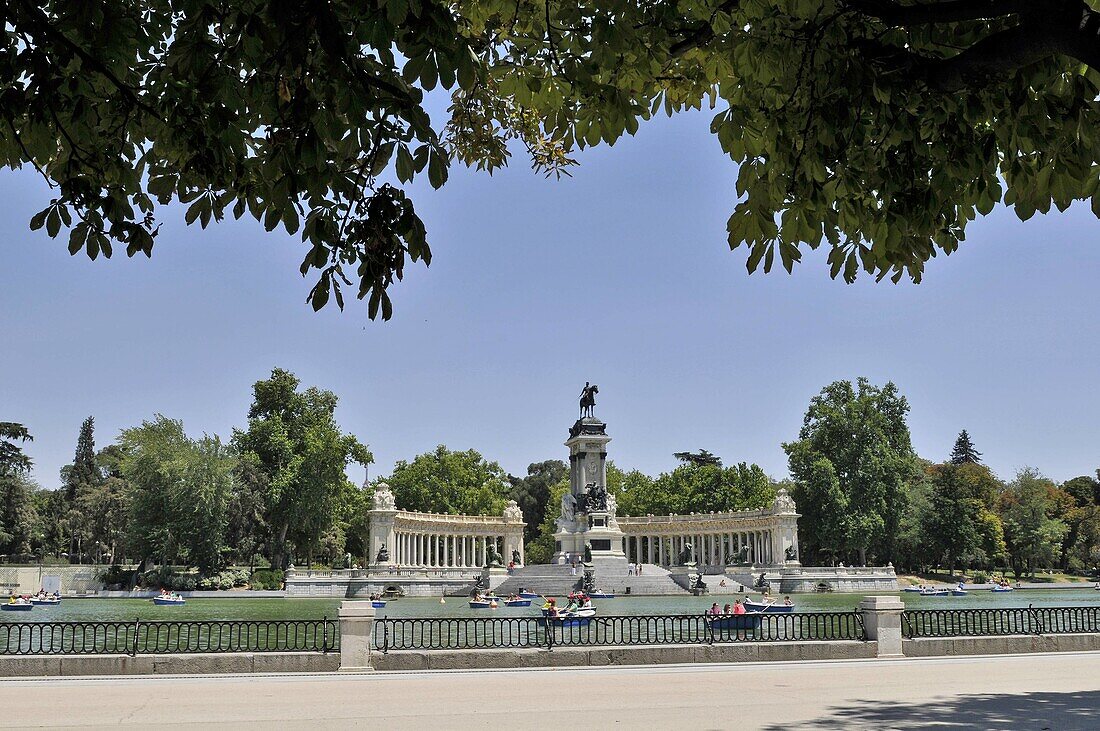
{"x": 875, "y": 129}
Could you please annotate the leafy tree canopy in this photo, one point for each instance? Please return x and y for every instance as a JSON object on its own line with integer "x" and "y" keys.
{"x": 696, "y": 488}
{"x": 532, "y": 492}
{"x": 702, "y": 457}
{"x": 444, "y": 481}
{"x": 851, "y": 467}
{"x": 875, "y": 128}
{"x": 295, "y": 455}
{"x": 12, "y": 458}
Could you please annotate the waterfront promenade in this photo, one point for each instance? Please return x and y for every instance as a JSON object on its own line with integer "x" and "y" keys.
{"x": 1021, "y": 693}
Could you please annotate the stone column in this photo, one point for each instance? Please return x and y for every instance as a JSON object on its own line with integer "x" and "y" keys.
{"x": 356, "y": 630}
{"x": 882, "y": 623}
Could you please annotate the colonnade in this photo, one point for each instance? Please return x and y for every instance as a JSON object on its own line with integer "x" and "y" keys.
{"x": 434, "y": 550}
{"x": 709, "y": 548}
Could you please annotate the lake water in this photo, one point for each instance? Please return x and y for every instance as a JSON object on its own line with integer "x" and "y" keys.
{"x": 73, "y": 610}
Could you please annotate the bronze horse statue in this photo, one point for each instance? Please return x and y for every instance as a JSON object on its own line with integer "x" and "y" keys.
{"x": 588, "y": 399}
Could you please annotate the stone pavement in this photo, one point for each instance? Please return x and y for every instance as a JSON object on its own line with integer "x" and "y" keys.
{"x": 1023, "y": 693}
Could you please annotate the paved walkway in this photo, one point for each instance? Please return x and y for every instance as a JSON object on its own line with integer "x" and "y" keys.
{"x": 1021, "y": 693}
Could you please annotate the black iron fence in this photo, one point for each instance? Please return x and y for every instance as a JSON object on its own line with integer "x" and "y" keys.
{"x": 166, "y": 637}
{"x": 1000, "y": 621}
{"x": 518, "y": 632}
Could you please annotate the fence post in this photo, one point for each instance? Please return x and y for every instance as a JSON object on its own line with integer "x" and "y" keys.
{"x": 137, "y": 629}
{"x": 324, "y": 634}
{"x": 882, "y": 623}
{"x": 356, "y": 631}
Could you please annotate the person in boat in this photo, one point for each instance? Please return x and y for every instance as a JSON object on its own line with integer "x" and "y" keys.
{"x": 587, "y": 603}
{"x": 738, "y": 607}
{"x": 549, "y": 604}
{"x": 787, "y": 601}
{"x": 727, "y": 609}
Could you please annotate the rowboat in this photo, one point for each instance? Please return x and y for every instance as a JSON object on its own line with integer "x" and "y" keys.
{"x": 528, "y": 595}
{"x": 517, "y": 602}
{"x": 480, "y": 604}
{"x": 378, "y": 603}
{"x": 601, "y": 595}
{"x": 749, "y": 620}
{"x": 959, "y": 592}
{"x": 770, "y": 607}
{"x": 1003, "y": 588}
{"x": 168, "y": 601}
{"x": 579, "y": 618}
{"x": 936, "y": 592}
{"x": 45, "y": 602}
{"x": 913, "y": 589}
{"x": 17, "y": 607}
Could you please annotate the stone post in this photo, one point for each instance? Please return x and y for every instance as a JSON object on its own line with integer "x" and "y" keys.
{"x": 882, "y": 622}
{"x": 356, "y": 632}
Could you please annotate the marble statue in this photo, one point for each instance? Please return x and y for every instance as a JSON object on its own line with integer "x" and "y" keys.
{"x": 568, "y": 506}
{"x": 383, "y": 498}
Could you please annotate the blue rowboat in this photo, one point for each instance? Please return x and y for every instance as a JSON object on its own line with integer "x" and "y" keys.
{"x": 528, "y": 595}
{"x": 165, "y": 601}
{"x": 45, "y": 602}
{"x": 480, "y": 604}
{"x": 600, "y": 595}
{"x": 768, "y": 608}
{"x": 9, "y": 607}
{"x": 936, "y": 592}
{"x": 1003, "y": 588}
{"x": 580, "y": 618}
{"x": 735, "y": 621}
{"x": 912, "y": 589}
{"x": 378, "y": 603}
{"x": 959, "y": 592}
{"x": 517, "y": 603}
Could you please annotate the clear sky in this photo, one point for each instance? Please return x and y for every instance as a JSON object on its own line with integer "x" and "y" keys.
{"x": 620, "y": 275}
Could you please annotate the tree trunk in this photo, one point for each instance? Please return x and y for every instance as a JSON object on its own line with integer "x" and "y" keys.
{"x": 278, "y": 551}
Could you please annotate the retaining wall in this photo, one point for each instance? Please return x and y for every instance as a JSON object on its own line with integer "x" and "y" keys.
{"x": 183, "y": 664}
{"x": 599, "y": 656}
{"x": 1000, "y": 645}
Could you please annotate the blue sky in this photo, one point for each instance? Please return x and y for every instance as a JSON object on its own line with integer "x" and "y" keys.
{"x": 620, "y": 275}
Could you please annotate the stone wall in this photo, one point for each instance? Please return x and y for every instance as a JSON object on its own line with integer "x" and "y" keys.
{"x": 237, "y": 662}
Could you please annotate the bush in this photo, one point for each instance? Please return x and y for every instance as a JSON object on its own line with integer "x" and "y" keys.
{"x": 226, "y": 579}
{"x": 165, "y": 577}
{"x": 979, "y": 578}
{"x": 267, "y": 579}
{"x": 115, "y": 575}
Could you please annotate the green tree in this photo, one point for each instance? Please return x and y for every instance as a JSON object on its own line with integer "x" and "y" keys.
{"x": 875, "y": 128}
{"x": 12, "y": 457}
{"x": 1032, "y": 533}
{"x": 698, "y": 487}
{"x": 964, "y": 451}
{"x": 18, "y": 516}
{"x": 444, "y": 481}
{"x": 851, "y": 466}
{"x": 80, "y": 478}
{"x": 179, "y": 493}
{"x": 1080, "y": 511}
{"x": 700, "y": 458}
{"x": 952, "y": 523}
{"x": 532, "y": 492}
{"x": 298, "y": 457}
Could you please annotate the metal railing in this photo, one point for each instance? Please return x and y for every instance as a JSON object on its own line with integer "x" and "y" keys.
{"x": 169, "y": 637}
{"x": 917, "y": 623}
{"x": 400, "y": 633}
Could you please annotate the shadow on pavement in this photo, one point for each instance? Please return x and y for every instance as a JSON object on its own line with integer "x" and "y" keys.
{"x": 987, "y": 712}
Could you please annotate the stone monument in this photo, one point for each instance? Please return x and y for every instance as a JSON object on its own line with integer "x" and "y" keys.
{"x": 588, "y": 510}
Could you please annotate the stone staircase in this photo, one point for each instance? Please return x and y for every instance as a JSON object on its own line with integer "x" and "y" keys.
{"x": 654, "y": 581}
{"x": 548, "y": 580}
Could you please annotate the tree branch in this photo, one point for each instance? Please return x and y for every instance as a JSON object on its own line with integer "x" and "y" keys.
{"x": 700, "y": 34}
{"x": 947, "y": 11}
{"x": 1064, "y": 29}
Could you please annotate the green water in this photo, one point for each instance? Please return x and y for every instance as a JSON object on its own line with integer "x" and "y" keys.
{"x": 83, "y": 610}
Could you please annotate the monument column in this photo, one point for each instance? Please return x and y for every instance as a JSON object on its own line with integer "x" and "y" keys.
{"x": 381, "y": 521}
{"x": 588, "y": 511}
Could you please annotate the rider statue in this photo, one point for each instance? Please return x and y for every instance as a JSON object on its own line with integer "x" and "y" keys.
{"x": 588, "y": 398}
